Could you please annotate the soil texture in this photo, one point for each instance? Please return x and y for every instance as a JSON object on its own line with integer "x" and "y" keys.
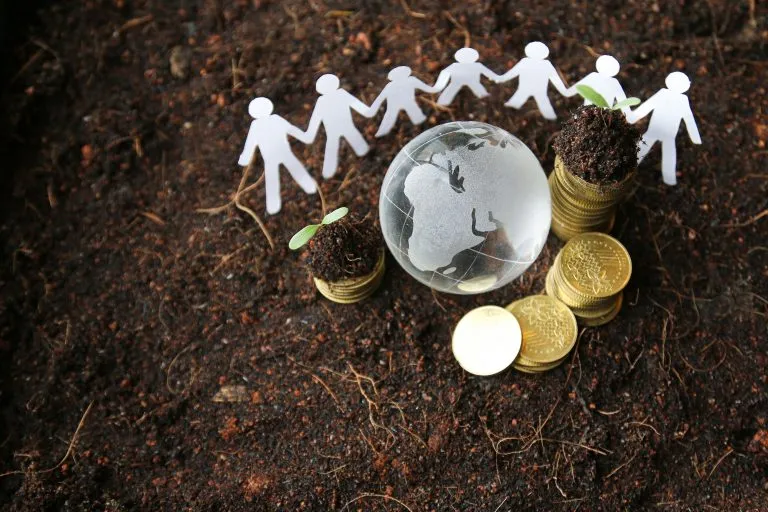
{"x": 159, "y": 350}
{"x": 344, "y": 249}
{"x": 598, "y": 145}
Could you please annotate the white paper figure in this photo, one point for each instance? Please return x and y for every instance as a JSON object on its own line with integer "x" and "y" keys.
{"x": 333, "y": 110}
{"x": 269, "y": 132}
{"x": 670, "y": 107}
{"x": 400, "y": 94}
{"x": 535, "y": 73}
{"x": 603, "y": 82}
{"x": 465, "y": 72}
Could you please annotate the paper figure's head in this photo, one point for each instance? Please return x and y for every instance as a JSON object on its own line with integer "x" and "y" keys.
{"x": 327, "y": 83}
{"x": 466, "y": 55}
{"x": 607, "y": 65}
{"x": 260, "y": 107}
{"x": 678, "y": 81}
{"x": 399, "y": 73}
{"x": 536, "y": 50}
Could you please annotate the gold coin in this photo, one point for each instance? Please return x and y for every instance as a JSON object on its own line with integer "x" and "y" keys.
{"x": 568, "y": 295}
{"x": 573, "y": 200}
{"x": 582, "y": 188}
{"x": 549, "y": 285}
{"x": 548, "y": 327}
{"x": 594, "y": 313}
{"x": 521, "y": 361}
{"x": 574, "y": 299}
{"x": 539, "y": 369}
{"x": 595, "y": 265}
{"x": 349, "y": 291}
{"x": 596, "y": 322}
{"x": 486, "y": 340}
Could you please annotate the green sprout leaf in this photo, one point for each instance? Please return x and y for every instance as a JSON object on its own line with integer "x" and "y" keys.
{"x": 303, "y": 236}
{"x": 629, "y": 102}
{"x": 335, "y": 215}
{"x": 592, "y": 95}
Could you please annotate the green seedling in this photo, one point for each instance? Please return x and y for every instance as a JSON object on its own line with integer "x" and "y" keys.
{"x": 596, "y": 98}
{"x": 305, "y": 235}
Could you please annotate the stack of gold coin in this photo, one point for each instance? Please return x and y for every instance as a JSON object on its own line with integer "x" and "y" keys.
{"x": 549, "y": 332}
{"x": 349, "y": 291}
{"x": 588, "y": 276}
{"x": 581, "y": 207}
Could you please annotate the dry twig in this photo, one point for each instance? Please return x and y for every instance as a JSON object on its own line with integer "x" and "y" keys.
{"x": 66, "y": 455}
{"x": 241, "y": 190}
{"x": 371, "y": 495}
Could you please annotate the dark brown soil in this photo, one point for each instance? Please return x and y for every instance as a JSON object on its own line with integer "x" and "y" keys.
{"x": 598, "y": 145}
{"x": 347, "y": 248}
{"x": 153, "y": 357}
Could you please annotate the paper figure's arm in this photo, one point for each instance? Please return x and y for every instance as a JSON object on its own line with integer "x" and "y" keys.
{"x": 587, "y": 80}
{"x": 360, "y": 107}
{"x": 297, "y": 133}
{"x": 421, "y": 86}
{"x": 249, "y": 150}
{"x": 489, "y": 73}
{"x": 690, "y": 124}
{"x": 644, "y": 109}
{"x": 378, "y": 102}
{"x": 512, "y": 73}
{"x": 554, "y": 77}
{"x": 314, "y": 125}
{"x": 442, "y": 79}
{"x": 571, "y": 91}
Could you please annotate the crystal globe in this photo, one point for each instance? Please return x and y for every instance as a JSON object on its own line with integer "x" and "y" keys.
{"x": 465, "y": 207}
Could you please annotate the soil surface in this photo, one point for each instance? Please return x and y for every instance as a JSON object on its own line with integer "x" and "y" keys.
{"x": 346, "y": 248}
{"x": 598, "y": 145}
{"x": 155, "y": 357}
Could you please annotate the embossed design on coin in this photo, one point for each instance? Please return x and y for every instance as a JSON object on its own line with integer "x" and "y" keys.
{"x": 596, "y": 264}
{"x": 548, "y": 326}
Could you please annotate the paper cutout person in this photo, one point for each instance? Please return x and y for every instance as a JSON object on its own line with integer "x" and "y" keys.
{"x": 333, "y": 110}
{"x": 269, "y": 132}
{"x": 670, "y": 107}
{"x": 535, "y": 73}
{"x": 603, "y": 82}
{"x": 465, "y": 72}
{"x": 400, "y": 94}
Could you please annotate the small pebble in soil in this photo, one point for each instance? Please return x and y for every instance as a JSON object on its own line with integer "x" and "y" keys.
{"x": 179, "y": 62}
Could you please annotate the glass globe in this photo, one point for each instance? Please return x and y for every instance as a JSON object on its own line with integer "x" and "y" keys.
{"x": 465, "y": 207}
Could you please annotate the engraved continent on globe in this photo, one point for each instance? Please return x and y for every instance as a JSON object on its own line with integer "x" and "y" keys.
{"x": 465, "y": 207}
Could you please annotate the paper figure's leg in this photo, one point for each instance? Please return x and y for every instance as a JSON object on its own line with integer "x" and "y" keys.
{"x": 358, "y": 143}
{"x": 448, "y": 94}
{"x": 517, "y": 100}
{"x": 478, "y": 89}
{"x": 669, "y": 161}
{"x": 390, "y": 117}
{"x": 545, "y": 107}
{"x": 300, "y": 174}
{"x": 645, "y": 144}
{"x": 415, "y": 114}
{"x": 272, "y": 186}
{"x": 331, "y": 159}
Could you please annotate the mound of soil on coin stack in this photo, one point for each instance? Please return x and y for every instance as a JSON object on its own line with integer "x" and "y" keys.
{"x": 347, "y": 248}
{"x": 598, "y": 145}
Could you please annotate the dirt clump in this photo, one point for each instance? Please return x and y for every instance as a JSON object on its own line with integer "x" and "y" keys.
{"x": 344, "y": 249}
{"x": 598, "y": 145}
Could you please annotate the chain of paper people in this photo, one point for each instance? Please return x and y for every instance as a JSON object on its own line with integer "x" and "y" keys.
{"x": 333, "y": 110}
